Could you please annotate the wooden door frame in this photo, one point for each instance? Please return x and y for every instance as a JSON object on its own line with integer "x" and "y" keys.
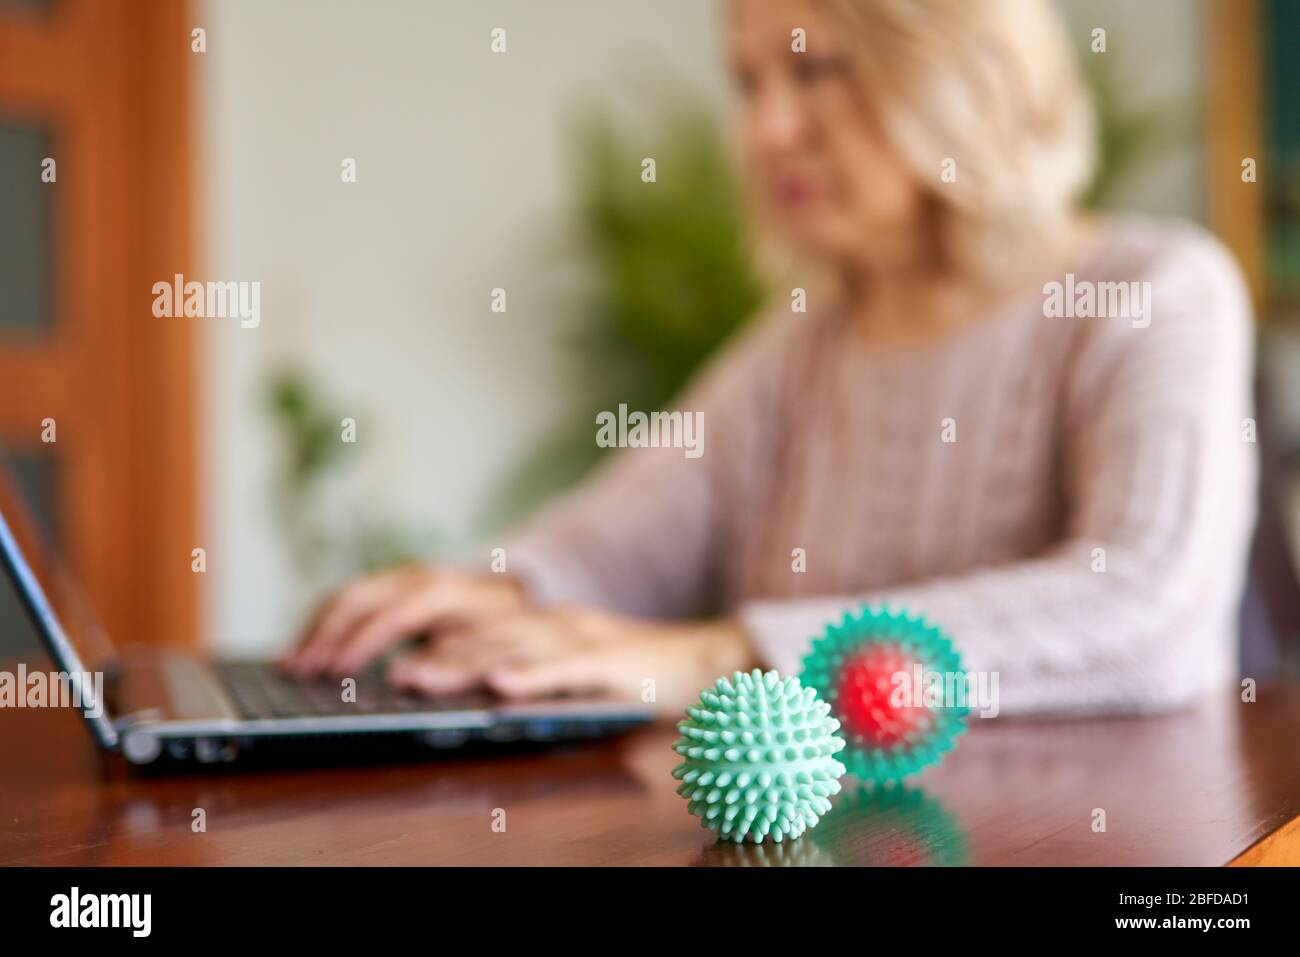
{"x": 112, "y": 79}
{"x": 1235, "y": 132}
{"x": 164, "y": 373}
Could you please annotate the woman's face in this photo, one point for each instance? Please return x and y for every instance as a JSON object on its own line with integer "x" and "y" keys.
{"x": 817, "y": 156}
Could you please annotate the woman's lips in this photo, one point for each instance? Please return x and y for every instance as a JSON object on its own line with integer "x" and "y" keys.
{"x": 796, "y": 191}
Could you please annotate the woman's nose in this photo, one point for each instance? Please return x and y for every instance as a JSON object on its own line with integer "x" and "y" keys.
{"x": 778, "y": 120}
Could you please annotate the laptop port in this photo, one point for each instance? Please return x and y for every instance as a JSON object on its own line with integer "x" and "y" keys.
{"x": 141, "y": 747}
{"x": 445, "y": 737}
{"x": 212, "y": 750}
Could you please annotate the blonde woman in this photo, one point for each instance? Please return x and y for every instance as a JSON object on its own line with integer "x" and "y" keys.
{"x": 975, "y": 420}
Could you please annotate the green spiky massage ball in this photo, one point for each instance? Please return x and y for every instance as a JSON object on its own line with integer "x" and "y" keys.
{"x": 867, "y": 668}
{"x": 758, "y": 757}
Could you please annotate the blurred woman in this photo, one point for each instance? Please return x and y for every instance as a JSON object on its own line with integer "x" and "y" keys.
{"x": 1020, "y": 421}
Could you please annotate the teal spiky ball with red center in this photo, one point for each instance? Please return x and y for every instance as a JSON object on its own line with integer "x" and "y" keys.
{"x": 874, "y": 669}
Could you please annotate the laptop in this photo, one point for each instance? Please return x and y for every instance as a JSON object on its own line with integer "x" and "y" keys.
{"x": 164, "y": 707}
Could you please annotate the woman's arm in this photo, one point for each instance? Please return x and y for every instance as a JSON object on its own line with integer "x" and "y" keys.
{"x": 1134, "y": 608}
{"x": 641, "y": 536}
{"x": 636, "y": 543}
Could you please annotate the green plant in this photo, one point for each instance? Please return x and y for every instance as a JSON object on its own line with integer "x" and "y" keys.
{"x": 312, "y": 450}
{"x": 666, "y": 279}
{"x": 1130, "y": 134}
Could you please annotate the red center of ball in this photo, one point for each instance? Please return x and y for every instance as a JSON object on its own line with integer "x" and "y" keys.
{"x": 867, "y": 692}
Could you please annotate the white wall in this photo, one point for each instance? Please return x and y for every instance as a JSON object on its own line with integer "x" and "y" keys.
{"x": 382, "y": 287}
{"x": 1159, "y": 48}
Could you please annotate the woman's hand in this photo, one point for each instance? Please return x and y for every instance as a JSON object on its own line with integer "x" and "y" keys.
{"x": 372, "y": 613}
{"x": 578, "y": 651}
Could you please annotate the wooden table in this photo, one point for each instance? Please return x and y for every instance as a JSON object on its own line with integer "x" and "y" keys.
{"x": 1216, "y": 785}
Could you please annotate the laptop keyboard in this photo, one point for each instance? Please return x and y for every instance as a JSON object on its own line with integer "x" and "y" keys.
{"x": 261, "y": 691}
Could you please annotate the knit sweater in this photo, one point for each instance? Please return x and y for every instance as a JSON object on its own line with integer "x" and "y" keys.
{"x": 1070, "y": 498}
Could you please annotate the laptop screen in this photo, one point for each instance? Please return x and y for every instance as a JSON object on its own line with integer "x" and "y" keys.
{"x": 58, "y": 610}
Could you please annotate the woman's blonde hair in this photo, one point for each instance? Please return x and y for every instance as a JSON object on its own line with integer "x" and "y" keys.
{"x": 989, "y": 92}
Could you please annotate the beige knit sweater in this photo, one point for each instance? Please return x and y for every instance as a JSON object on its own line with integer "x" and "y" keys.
{"x": 972, "y": 480}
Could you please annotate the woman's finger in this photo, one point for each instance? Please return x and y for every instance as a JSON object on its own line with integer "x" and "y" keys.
{"x": 431, "y": 676}
{"x": 439, "y": 669}
{"x": 336, "y": 618}
{"x": 572, "y": 673}
{"x": 473, "y": 641}
{"x": 535, "y": 630}
{"x": 461, "y": 659}
{"x": 410, "y": 615}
